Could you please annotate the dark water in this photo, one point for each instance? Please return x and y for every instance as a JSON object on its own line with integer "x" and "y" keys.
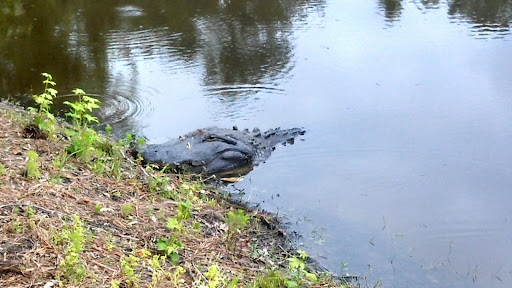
{"x": 405, "y": 170}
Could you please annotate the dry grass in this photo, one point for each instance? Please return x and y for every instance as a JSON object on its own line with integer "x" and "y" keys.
{"x": 33, "y": 213}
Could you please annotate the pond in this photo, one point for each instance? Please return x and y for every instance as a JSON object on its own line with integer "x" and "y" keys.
{"x": 403, "y": 175}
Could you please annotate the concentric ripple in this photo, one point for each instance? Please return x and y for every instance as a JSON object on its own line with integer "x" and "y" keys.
{"x": 115, "y": 109}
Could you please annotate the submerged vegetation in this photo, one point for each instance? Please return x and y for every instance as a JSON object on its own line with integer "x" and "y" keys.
{"x": 77, "y": 212}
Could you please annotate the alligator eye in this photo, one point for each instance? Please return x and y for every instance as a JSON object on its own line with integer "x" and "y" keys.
{"x": 210, "y": 138}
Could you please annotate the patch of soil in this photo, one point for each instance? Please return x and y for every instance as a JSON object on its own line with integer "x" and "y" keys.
{"x": 33, "y": 131}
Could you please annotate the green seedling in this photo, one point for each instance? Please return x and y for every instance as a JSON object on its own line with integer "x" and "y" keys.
{"x": 32, "y": 171}
{"x": 29, "y": 210}
{"x": 16, "y": 225}
{"x": 72, "y": 267}
{"x": 44, "y": 118}
{"x": 214, "y": 277}
{"x": 237, "y": 221}
{"x": 271, "y": 279}
{"x": 128, "y": 266}
{"x": 177, "y": 281}
{"x": 297, "y": 269}
{"x": 169, "y": 247}
{"x": 80, "y": 109}
{"x": 156, "y": 268}
{"x": 126, "y": 209}
{"x": 108, "y": 129}
{"x": 97, "y": 208}
{"x": 184, "y": 210}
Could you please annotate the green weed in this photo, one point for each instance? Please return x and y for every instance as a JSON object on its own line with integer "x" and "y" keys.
{"x": 97, "y": 208}
{"x": 16, "y": 225}
{"x": 170, "y": 246}
{"x": 108, "y": 130}
{"x": 237, "y": 221}
{"x": 32, "y": 171}
{"x": 184, "y": 210}
{"x": 156, "y": 268}
{"x": 80, "y": 109}
{"x": 271, "y": 279}
{"x": 44, "y": 118}
{"x": 128, "y": 265}
{"x": 297, "y": 269}
{"x": 29, "y": 211}
{"x": 71, "y": 267}
{"x": 214, "y": 277}
{"x": 158, "y": 183}
{"x": 176, "y": 276}
{"x": 126, "y": 209}
{"x": 84, "y": 141}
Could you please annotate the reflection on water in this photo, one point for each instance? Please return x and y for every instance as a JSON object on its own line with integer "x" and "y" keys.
{"x": 404, "y": 172}
{"x": 392, "y": 9}
{"x": 88, "y": 43}
{"x": 487, "y": 18}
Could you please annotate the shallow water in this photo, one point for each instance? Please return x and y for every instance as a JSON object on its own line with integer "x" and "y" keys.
{"x": 404, "y": 170}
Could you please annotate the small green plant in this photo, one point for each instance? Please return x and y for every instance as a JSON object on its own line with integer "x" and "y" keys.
{"x": 271, "y": 279}
{"x": 237, "y": 221}
{"x": 128, "y": 265}
{"x": 196, "y": 225}
{"x": 174, "y": 224}
{"x": 108, "y": 129}
{"x": 140, "y": 142}
{"x": 16, "y": 225}
{"x": 297, "y": 269}
{"x": 115, "y": 283}
{"x": 126, "y": 209}
{"x": 177, "y": 281}
{"x": 84, "y": 140}
{"x": 214, "y": 277}
{"x": 83, "y": 143}
{"x": 189, "y": 189}
{"x": 44, "y": 118}
{"x": 169, "y": 247}
{"x": 59, "y": 160}
{"x": 108, "y": 242}
{"x": 29, "y": 211}
{"x": 184, "y": 210}
{"x": 155, "y": 264}
{"x": 32, "y": 171}
{"x": 158, "y": 183}
{"x": 97, "y": 208}
{"x": 71, "y": 266}
{"x": 80, "y": 109}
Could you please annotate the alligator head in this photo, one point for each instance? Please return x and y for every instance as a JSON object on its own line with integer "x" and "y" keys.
{"x": 218, "y": 151}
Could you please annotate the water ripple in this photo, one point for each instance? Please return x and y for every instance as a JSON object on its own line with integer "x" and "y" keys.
{"x": 116, "y": 109}
{"x": 241, "y": 90}
{"x": 148, "y": 43}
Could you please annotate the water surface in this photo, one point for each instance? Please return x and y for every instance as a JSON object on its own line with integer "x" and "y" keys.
{"x": 404, "y": 172}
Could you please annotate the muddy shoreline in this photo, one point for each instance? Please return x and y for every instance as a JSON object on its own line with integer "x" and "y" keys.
{"x": 123, "y": 218}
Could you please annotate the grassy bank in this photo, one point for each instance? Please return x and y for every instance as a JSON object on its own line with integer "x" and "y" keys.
{"x": 77, "y": 211}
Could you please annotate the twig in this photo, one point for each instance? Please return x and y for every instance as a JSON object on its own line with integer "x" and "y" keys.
{"x": 33, "y": 206}
{"x": 103, "y": 266}
{"x": 130, "y": 160}
{"x": 127, "y": 237}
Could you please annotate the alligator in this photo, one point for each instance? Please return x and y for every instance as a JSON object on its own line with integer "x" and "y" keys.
{"x": 218, "y": 151}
